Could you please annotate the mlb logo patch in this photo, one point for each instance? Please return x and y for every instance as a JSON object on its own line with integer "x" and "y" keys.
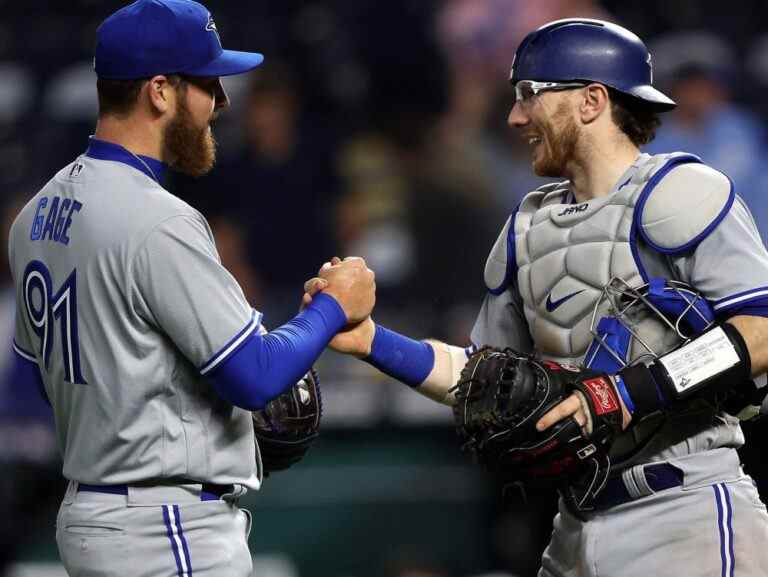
{"x": 77, "y": 168}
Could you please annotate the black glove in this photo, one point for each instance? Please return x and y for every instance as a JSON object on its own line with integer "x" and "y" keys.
{"x": 499, "y": 399}
{"x": 289, "y": 424}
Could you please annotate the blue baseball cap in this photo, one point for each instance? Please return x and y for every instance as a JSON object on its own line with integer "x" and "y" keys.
{"x": 151, "y": 37}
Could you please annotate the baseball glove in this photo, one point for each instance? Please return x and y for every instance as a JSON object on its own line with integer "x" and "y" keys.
{"x": 502, "y": 394}
{"x": 289, "y": 424}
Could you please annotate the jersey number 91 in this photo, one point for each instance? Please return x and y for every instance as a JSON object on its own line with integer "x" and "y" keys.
{"x": 44, "y": 308}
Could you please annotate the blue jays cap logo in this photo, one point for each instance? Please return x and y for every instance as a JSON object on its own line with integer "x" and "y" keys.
{"x": 211, "y": 27}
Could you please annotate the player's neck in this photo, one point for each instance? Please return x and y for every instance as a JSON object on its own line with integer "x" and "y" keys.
{"x": 597, "y": 167}
{"x": 138, "y": 138}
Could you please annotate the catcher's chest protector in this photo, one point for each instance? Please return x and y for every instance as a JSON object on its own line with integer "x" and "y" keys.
{"x": 566, "y": 253}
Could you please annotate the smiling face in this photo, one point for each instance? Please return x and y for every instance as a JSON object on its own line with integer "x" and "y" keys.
{"x": 546, "y": 123}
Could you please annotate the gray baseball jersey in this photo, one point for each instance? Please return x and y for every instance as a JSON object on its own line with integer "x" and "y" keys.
{"x": 670, "y": 217}
{"x": 554, "y": 278}
{"x": 124, "y": 305}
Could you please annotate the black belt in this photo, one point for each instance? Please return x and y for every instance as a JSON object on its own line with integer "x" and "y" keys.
{"x": 209, "y": 491}
{"x": 658, "y": 476}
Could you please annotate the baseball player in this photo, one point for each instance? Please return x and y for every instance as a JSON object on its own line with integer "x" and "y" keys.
{"x": 676, "y": 501}
{"x": 143, "y": 343}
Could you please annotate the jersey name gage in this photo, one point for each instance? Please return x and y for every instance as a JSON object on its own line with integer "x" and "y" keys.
{"x": 53, "y": 218}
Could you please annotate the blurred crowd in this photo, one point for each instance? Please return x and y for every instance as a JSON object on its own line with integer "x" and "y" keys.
{"x": 375, "y": 129}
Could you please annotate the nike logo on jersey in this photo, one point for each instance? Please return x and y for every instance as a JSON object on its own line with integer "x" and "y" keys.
{"x": 552, "y": 305}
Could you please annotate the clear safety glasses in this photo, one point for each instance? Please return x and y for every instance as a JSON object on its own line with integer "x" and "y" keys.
{"x": 525, "y": 90}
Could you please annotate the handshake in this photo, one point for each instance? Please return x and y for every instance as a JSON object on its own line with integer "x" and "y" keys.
{"x": 352, "y": 284}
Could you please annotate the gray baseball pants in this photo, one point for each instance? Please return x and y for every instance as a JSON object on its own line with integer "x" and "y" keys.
{"x": 152, "y": 532}
{"x": 713, "y": 525}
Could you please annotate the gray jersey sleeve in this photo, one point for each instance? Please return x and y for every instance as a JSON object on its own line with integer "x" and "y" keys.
{"x": 182, "y": 289}
{"x": 22, "y": 340}
{"x": 730, "y": 266}
{"x": 501, "y": 323}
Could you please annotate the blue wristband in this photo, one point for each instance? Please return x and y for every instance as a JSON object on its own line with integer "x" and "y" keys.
{"x": 624, "y": 393}
{"x": 400, "y": 357}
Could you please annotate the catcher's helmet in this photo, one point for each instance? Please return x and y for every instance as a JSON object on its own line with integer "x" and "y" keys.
{"x": 589, "y": 50}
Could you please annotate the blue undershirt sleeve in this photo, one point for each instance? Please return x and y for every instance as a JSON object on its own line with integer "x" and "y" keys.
{"x": 265, "y": 366}
{"x": 25, "y": 375}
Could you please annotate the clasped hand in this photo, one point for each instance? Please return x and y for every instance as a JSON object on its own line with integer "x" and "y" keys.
{"x": 353, "y": 285}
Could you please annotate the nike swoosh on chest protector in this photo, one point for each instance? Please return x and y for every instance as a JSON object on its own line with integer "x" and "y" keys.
{"x": 552, "y": 305}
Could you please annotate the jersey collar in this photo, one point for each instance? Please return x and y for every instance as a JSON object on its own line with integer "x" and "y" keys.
{"x": 103, "y": 150}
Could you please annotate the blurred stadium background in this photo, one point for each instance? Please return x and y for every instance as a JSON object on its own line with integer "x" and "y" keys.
{"x": 376, "y": 129}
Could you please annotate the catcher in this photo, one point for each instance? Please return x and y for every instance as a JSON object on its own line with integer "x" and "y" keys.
{"x": 625, "y": 317}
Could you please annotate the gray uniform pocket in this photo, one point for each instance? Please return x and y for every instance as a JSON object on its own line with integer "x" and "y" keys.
{"x": 94, "y": 550}
{"x": 94, "y": 530}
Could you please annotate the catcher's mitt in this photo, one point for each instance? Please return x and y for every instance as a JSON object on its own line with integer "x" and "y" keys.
{"x": 500, "y": 397}
{"x": 289, "y": 424}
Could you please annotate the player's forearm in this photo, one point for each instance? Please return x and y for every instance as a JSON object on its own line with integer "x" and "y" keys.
{"x": 429, "y": 367}
{"x": 754, "y": 331}
{"x": 268, "y": 365}
{"x": 441, "y": 382}
{"x": 714, "y": 362}
{"x": 25, "y": 373}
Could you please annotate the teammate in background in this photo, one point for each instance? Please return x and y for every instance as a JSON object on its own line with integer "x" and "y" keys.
{"x": 585, "y": 105}
{"x": 147, "y": 349}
